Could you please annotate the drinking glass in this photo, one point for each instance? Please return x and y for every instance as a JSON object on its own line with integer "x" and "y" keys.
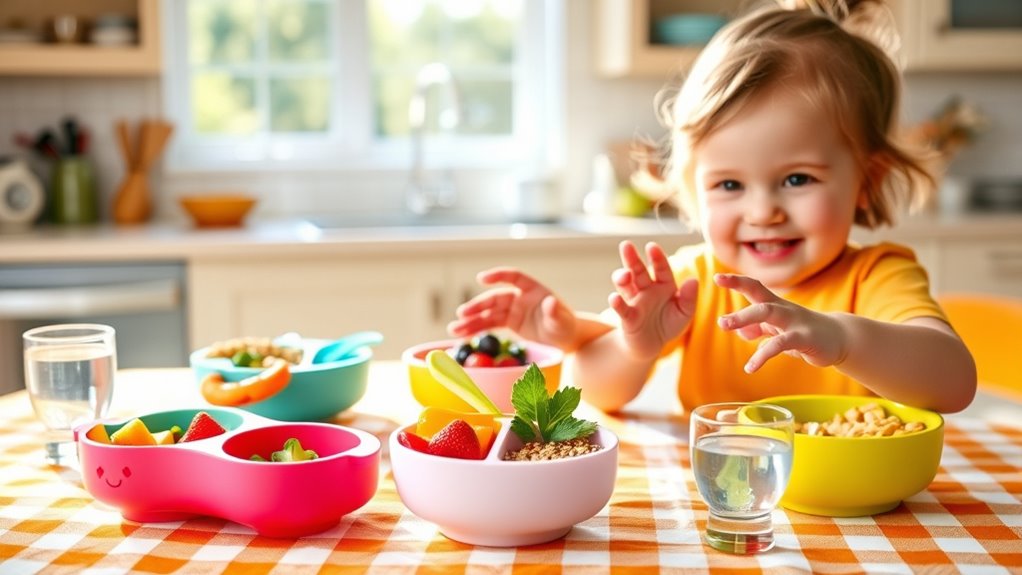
{"x": 69, "y": 373}
{"x": 741, "y": 458}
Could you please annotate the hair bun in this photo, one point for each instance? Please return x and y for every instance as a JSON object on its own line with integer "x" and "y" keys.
{"x": 868, "y": 19}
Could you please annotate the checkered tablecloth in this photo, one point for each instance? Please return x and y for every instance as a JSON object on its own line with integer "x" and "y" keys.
{"x": 969, "y": 520}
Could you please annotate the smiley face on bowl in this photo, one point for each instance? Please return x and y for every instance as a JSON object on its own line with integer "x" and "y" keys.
{"x": 501, "y": 503}
{"x": 315, "y": 392}
{"x": 496, "y": 382}
{"x": 856, "y": 476}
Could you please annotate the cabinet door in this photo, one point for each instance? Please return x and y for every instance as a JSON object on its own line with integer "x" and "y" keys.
{"x": 982, "y": 267}
{"x": 960, "y": 34}
{"x": 319, "y": 298}
{"x": 625, "y": 43}
{"x": 82, "y": 59}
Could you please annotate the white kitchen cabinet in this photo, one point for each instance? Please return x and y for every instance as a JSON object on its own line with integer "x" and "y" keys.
{"x": 966, "y": 35}
{"x": 981, "y": 266}
{"x": 320, "y": 297}
{"x": 409, "y": 299}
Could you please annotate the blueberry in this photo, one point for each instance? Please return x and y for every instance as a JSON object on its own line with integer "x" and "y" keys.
{"x": 517, "y": 351}
{"x": 463, "y": 352}
{"x": 489, "y": 344}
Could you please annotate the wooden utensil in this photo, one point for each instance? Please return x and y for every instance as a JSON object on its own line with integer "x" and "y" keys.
{"x": 132, "y": 203}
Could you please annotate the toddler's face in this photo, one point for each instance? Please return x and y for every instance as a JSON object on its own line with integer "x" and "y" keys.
{"x": 777, "y": 188}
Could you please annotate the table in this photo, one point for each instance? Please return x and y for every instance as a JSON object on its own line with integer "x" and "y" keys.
{"x": 969, "y": 520}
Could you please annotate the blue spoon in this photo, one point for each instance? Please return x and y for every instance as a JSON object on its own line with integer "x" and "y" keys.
{"x": 343, "y": 347}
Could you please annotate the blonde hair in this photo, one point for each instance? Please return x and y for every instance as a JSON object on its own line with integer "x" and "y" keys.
{"x": 833, "y": 54}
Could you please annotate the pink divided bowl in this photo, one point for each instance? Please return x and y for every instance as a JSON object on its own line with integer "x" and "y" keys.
{"x": 215, "y": 477}
{"x": 505, "y": 503}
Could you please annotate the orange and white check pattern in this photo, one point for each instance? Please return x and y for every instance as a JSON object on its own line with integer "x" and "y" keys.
{"x": 969, "y": 520}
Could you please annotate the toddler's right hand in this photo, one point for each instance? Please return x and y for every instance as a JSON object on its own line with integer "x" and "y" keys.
{"x": 652, "y": 308}
{"x": 523, "y": 305}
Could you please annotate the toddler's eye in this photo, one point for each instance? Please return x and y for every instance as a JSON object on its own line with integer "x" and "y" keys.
{"x": 731, "y": 185}
{"x": 795, "y": 180}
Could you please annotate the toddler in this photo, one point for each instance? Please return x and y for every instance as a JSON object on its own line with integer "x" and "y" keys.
{"x": 782, "y": 139}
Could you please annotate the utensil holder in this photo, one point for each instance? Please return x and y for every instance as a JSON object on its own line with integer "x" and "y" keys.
{"x": 73, "y": 188}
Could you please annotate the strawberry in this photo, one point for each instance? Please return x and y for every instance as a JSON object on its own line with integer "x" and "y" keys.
{"x": 413, "y": 441}
{"x": 457, "y": 439}
{"x": 201, "y": 427}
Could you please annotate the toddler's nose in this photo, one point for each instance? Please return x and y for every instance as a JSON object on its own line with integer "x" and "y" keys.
{"x": 763, "y": 208}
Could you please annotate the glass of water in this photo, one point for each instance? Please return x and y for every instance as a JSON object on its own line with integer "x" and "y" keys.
{"x": 741, "y": 458}
{"x": 69, "y": 373}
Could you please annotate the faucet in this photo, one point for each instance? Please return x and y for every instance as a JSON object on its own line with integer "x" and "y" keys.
{"x": 422, "y": 196}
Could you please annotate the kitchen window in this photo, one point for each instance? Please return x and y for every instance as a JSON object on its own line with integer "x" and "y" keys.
{"x": 327, "y": 84}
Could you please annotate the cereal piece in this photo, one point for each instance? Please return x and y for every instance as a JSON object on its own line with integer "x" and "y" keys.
{"x": 537, "y": 451}
{"x": 869, "y": 420}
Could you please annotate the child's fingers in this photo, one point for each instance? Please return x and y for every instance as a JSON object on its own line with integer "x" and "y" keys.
{"x": 788, "y": 341}
{"x": 463, "y": 327}
{"x": 773, "y": 313}
{"x": 511, "y": 276}
{"x": 632, "y": 261}
{"x": 659, "y": 263}
{"x": 488, "y": 302}
{"x": 754, "y": 291}
{"x": 624, "y": 283}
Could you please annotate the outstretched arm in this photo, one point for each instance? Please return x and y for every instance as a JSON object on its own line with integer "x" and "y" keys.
{"x": 613, "y": 368}
{"x": 919, "y": 362}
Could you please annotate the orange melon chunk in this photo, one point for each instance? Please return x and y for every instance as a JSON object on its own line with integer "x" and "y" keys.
{"x": 164, "y": 437}
{"x": 98, "y": 434}
{"x": 133, "y": 433}
{"x": 433, "y": 419}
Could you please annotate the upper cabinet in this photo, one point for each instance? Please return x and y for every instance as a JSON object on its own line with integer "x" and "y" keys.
{"x": 99, "y": 40}
{"x": 960, "y": 35}
{"x": 655, "y": 38}
{"x": 660, "y": 38}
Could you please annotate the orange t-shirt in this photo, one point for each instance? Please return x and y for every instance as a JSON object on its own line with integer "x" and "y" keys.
{"x": 882, "y": 282}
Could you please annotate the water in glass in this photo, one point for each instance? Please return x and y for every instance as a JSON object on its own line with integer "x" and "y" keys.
{"x": 69, "y": 374}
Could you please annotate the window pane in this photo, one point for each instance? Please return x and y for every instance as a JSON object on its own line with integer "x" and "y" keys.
{"x": 300, "y": 104}
{"x": 221, "y": 31}
{"x": 298, "y": 31}
{"x": 486, "y": 107}
{"x": 475, "y": 38}
{"x": 224, "y": 104}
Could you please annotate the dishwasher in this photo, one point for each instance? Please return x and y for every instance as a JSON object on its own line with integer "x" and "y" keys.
{"x": 143, "y": 301}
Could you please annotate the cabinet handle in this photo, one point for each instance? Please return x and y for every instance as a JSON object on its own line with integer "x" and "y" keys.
{"x": 436, "y": 305}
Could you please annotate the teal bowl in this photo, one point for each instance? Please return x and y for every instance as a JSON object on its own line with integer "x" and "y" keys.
{"x": 316, "y": 392}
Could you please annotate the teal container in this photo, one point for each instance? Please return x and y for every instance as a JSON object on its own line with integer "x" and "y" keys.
{"x": 316, "y": 392}
{"x": 73, "y": 192}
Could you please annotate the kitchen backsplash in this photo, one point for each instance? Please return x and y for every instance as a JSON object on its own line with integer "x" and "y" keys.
{"x": 29, "y": 104}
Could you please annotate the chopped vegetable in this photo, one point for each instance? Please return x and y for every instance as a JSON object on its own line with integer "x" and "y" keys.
{"x": 293, "y": 452}
{"x": 543, "y": 417}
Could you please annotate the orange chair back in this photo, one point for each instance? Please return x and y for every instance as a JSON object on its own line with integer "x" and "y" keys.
{"x": 991, "y": 327}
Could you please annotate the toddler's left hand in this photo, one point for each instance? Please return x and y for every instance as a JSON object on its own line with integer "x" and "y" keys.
{"x": 817, "y": 338}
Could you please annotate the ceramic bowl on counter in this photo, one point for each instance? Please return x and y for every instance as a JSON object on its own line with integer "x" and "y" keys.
{"x": 500, "y": 503}
{"x": 216, "y": 476}
{"x": 841, "y": 476}
{"x": 315, "y": 392}
{"x": 217, "y": 210}
{"x": 496, "y": 382}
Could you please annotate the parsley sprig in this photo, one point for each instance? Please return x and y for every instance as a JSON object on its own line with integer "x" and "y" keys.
{"x": 543, "y": 417}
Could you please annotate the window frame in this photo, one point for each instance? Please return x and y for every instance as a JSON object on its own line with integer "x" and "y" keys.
{"x": 532, "y": 144}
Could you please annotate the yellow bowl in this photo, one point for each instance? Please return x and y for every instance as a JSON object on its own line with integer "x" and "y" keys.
{"x": 496, "y": 382}
{"x": 217, "y": 210}
{"x": 856, "y": 476}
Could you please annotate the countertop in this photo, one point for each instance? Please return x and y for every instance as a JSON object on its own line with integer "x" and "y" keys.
{"x": 180, "y": 241}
